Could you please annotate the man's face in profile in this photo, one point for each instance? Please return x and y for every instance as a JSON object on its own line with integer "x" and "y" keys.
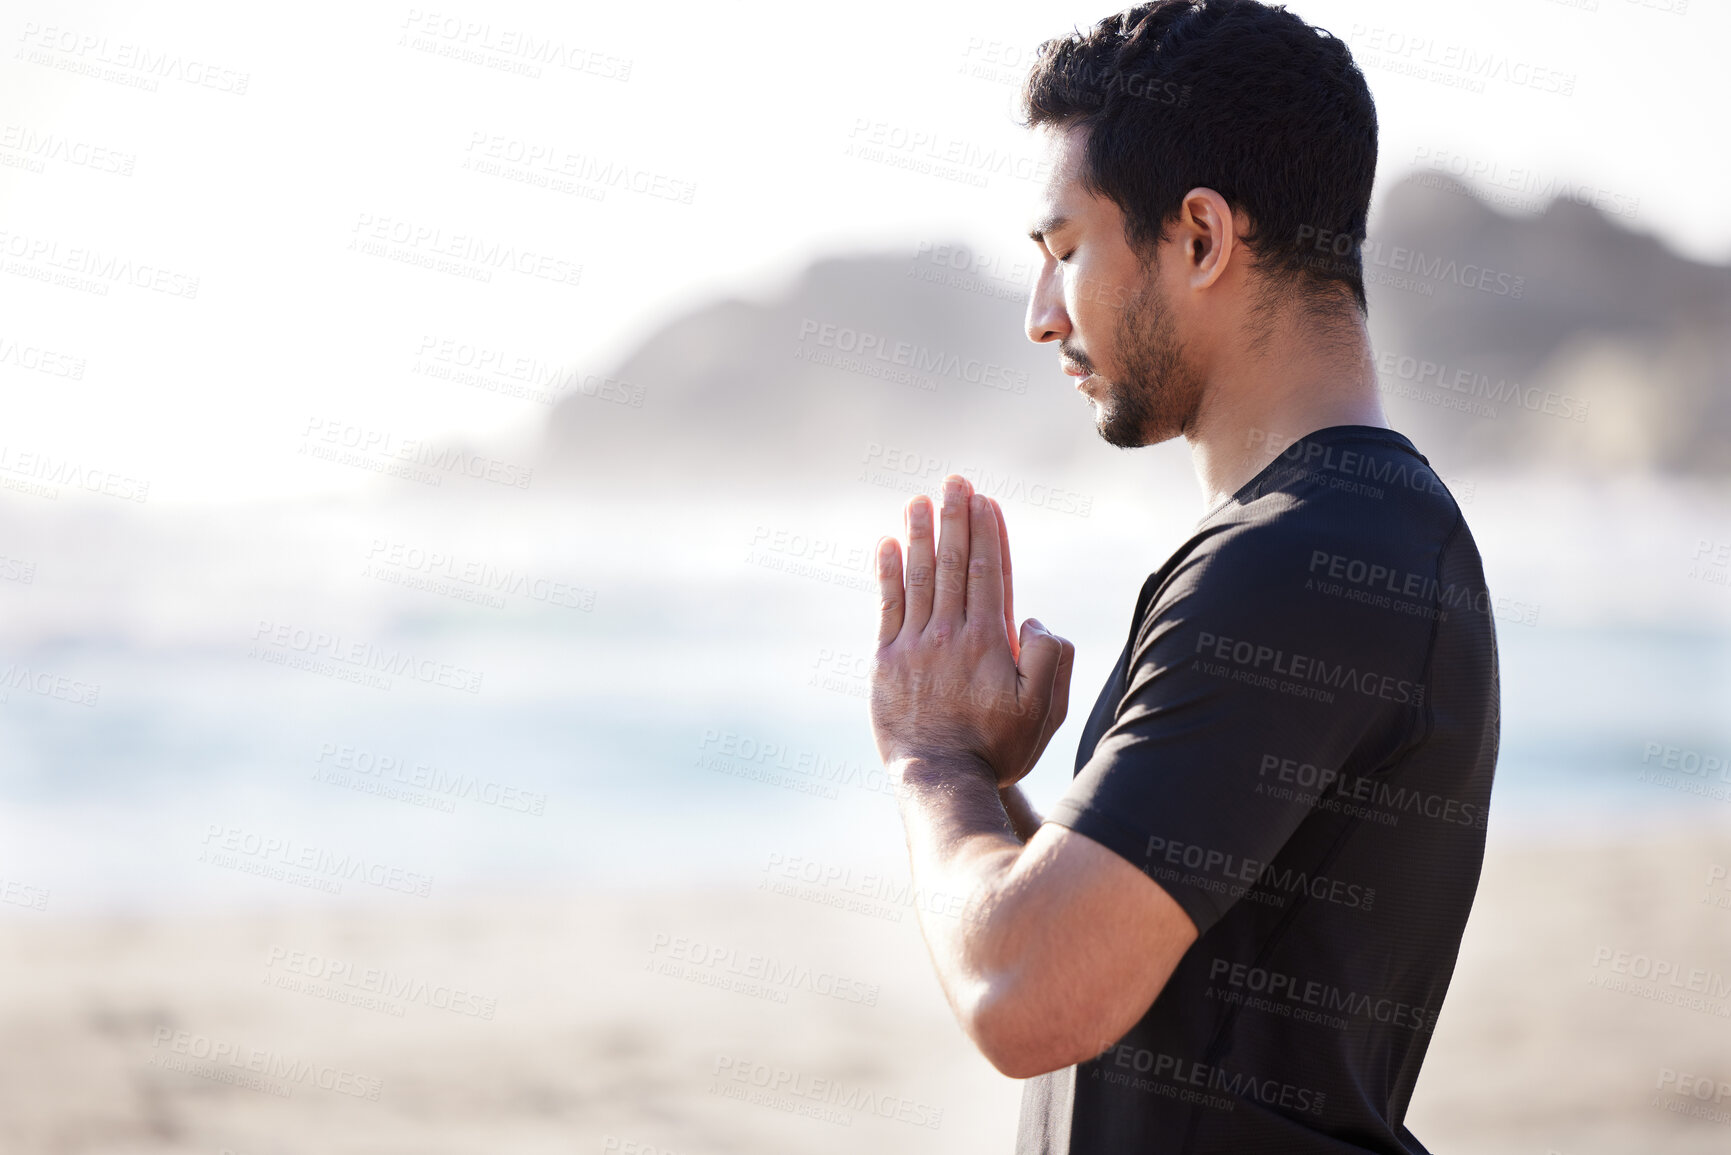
{"x": 1107, "y": 308}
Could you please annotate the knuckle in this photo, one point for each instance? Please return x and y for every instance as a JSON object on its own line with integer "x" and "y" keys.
{"x": 920, "y": 577}
{"x": 949, "y": 558}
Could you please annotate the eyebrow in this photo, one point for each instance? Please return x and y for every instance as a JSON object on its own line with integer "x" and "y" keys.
{"x": 1050, "y": 224}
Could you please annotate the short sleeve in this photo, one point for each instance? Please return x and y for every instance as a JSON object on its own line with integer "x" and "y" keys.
{"x": 1246, "y": 691}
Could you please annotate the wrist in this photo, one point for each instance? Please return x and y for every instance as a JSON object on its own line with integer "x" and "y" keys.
{"x": 941, "y": 768}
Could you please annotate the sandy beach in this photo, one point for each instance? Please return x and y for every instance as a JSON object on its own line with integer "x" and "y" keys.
{"x": 644, "y": 1023}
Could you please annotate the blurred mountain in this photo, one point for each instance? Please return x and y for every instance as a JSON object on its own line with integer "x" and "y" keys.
{"x": 916, "y": 355}
{"x": 1557, "y": 341}
{"x": 1568, "y": 338}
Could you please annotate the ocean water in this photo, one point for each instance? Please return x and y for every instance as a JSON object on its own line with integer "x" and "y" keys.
{"x": 386, "y": 700}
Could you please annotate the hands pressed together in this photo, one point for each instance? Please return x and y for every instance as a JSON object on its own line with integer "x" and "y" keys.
{"x": 951, "y": 676}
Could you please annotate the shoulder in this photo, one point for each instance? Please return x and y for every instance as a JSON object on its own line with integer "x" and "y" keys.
{"x": 1355, "y": 496}
{"x": 1322, "y": 574}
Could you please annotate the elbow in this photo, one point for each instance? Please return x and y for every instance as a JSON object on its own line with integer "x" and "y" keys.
{"x": 1023, "y": 1037}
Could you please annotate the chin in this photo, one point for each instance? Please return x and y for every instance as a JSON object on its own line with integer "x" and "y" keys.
{"x": 1129, "y": 427}
{"x": 1132, "y": 418}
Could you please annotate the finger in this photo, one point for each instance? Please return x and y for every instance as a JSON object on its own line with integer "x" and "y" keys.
{"x": 892, "y": 600}
{"x": 1058, "y": 706}
{"x": 1009, "y": 595}
{"x": 949, "y": 585}
{"x": 985, "y": 566}
{"x": 1038, "y": 669}
{"x": 919, "y": 575}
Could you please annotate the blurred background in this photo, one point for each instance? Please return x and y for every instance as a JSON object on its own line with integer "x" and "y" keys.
{"x": 440, "y": 458}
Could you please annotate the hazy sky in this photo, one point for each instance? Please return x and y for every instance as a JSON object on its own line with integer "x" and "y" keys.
{"x": 745, "y": 137}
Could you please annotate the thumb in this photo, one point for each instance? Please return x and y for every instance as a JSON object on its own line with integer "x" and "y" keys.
{"x": 1038, "y": 667}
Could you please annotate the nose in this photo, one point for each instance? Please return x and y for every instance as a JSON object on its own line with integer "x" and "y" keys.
{"x": 1047, "y": 319}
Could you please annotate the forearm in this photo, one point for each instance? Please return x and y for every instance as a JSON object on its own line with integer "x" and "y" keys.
{"x": 962, "y": 842}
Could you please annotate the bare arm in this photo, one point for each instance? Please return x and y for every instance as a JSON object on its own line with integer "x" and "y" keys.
{"x": 1049, "y": 946}
{"x": 1023, "y": 819}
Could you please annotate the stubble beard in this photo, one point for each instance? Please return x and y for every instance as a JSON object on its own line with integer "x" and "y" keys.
{"x": 1157, "y": 398}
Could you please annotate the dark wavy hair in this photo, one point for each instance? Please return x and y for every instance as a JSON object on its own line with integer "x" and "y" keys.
{"x": 1233, "y": 95}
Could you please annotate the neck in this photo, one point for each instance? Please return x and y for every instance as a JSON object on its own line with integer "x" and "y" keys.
{"x": 1260, "y": 397}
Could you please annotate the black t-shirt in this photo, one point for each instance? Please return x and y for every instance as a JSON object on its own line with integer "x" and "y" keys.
{"x": 1297, "y": 744}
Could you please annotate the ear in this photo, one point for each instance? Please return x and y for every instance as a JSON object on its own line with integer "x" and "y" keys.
{"x": 1209, "y": 235}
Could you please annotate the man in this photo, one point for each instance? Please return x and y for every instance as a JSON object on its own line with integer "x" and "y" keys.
{"x": 1235, "y": 929}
